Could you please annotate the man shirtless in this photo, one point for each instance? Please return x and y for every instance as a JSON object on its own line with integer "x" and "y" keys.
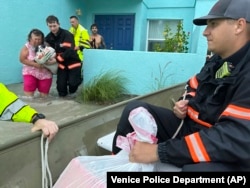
{"x": 96, "y": 40}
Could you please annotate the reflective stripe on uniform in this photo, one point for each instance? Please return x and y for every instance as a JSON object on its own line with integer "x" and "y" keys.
{"x": 196, "y": 148}
{"x": 74, "y": 65}
{"x": 194, "y": 115}
{"x": 237, "y": 112}
{"x": 12, "y": 109}
{"x": 60, "y": 58}
{"x": 191, "y": 94}
{"x": 193, "y": 82}
{"x": 66, "y": 44}
{"x": 61, "y": 66}
{"x": 85, "y": 44}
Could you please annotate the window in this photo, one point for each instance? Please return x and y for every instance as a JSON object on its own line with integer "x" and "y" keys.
{"x": 156, "y": 29}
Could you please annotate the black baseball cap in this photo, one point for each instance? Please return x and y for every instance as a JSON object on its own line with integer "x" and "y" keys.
{"x": 233, "y": 9}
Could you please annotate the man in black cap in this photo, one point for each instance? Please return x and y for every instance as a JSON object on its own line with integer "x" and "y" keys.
{"x": 209, "y": 127}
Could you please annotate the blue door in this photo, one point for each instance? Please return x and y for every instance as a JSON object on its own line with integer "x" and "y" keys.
{"x": 117, "y": 30}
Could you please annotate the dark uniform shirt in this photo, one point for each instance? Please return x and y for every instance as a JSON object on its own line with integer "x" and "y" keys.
{"x": 218, "y": 114}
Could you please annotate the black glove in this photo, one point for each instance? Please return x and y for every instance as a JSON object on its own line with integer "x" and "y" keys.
{"x": 81, "y": 48}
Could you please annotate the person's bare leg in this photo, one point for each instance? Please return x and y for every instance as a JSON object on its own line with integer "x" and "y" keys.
{"x": 29, "y": 94}
{"x": 44, "y": 95}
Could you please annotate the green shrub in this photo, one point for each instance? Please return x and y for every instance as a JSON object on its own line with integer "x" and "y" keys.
{"x": 105, "y": 88}
{"x": 173, "y": 42}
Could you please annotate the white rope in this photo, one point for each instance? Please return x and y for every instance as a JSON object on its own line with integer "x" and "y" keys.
{"x": 45, "y": 166}
{"x": 182, "y": 121}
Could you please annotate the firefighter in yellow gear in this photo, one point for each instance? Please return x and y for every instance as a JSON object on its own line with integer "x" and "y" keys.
{"x": 81, "y": 36}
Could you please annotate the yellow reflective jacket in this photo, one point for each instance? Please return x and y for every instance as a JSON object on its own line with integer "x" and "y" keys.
{"x": 81, "y": 37}
{"x": 12, "y": 108}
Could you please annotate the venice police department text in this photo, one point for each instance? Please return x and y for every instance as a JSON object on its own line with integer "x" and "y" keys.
{"x": 174, "y": 179}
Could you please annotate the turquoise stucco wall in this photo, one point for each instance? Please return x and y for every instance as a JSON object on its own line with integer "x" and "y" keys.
{"x": 143, "y": 69}
{"x": 167, "y": 3}
{"x": 18, "y": 18}
{"x": 199, "y": 43}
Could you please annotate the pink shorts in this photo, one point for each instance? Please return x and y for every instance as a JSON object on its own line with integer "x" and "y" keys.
{"x": 31, "y": 83}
